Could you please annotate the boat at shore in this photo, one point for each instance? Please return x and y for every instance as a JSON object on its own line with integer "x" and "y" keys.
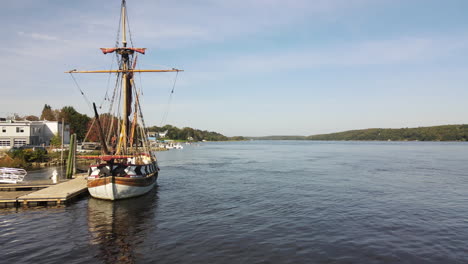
{"x": 12, "y": 175}
{"x": 126, "y": 166}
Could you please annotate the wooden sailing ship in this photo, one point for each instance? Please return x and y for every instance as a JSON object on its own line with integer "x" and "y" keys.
{"x": 126, "y": 167}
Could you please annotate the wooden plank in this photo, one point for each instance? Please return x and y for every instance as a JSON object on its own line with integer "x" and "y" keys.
{"x": 9, "y": 199}
{"x": 20, "y": 187}
{"x": 13, "y": 195}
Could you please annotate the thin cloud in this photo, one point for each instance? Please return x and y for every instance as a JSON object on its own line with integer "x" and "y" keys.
{"x": 406, "y": 50}
{"x": 43, "y": 37}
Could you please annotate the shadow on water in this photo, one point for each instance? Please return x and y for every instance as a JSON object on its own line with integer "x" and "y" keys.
{"x": 118, "y": 228}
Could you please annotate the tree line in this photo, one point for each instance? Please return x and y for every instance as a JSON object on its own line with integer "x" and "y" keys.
{"x": 188, "y": 133}
{"x": 433, "y": 133}
{"x": 81, "y": 123}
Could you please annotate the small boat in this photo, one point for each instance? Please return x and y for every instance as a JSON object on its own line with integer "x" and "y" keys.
{"x": 178, "y": 146}
{"x": 174, "y": 146}
{"x": 12, "y": 175}
{"x": 126, "y": 166}
{"x": 169, "y": 146}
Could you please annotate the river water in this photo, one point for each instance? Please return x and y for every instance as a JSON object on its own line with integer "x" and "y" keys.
{"x": 266, "y": 202}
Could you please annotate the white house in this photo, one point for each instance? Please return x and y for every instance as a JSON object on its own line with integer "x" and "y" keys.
{"x": 162, "y": 134}
{"x": 14, "y": 133}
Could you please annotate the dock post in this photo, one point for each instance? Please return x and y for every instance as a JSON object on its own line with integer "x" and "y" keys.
{"x": 61, "y": 147}
{"x": 67, "y": 173}
{"x": 75, "y": 143}
{"x": 71, "y": 155}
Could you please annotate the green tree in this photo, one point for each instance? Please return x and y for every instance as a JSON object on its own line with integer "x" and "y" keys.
{"x": 188, "y": 132}
{"x": 29, "y": 155}
{"x": 56, "y": 140}
{"x": 78, "y": 122}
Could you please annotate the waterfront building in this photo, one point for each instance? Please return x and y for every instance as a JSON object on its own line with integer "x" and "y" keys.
{"x": 17, "y": 133}
{"x": 162, "y": 134}
{"x": 156, "y": 135}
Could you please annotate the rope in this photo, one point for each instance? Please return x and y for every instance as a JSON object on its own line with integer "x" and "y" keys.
{"x": 143, "y": 129}
{"x": 169, "y": 101}
{"x": 129, "y": 31}
{"x": 106, "y": 96}
{"x": 118, "y": 31}
{"x": 81, "y": 91}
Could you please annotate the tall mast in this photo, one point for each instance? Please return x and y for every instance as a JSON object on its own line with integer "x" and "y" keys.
{"x": 127, "y": 71}
{"x": 126, "y": 85}
{"x": 124, "y": 29}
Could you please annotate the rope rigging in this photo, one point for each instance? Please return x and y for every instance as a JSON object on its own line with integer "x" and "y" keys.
{"x": 81, "y": 91}
{"x": 166, "y": 113}
{"x": 129, "y": 31}
{"x": 123, "y": 129}
{"x": 106, "y": 96}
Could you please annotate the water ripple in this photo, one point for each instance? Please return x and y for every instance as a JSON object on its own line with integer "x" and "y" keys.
{"x": 267, "y": 202}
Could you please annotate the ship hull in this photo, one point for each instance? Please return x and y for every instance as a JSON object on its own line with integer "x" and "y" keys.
{"x": 116, "y": 188}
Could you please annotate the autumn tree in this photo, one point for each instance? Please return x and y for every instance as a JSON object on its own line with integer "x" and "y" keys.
{"x": 31, "y": 118}
{"x": 48, "y": 114}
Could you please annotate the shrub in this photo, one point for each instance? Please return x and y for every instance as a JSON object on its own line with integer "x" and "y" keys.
{"x": 29, "y": 155}
{"x": 7, "y": 161}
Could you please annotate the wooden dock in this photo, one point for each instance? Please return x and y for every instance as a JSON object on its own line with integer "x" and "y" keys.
{"x": 57, "y": 194}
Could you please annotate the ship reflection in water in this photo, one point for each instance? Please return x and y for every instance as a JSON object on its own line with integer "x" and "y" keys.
{"x": 117, "y": 228}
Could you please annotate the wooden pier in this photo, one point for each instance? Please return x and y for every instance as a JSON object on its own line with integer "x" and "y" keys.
{"x": 57, "y": 194}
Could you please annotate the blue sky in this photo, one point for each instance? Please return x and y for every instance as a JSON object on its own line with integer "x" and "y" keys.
{"x": 252, "y": 67}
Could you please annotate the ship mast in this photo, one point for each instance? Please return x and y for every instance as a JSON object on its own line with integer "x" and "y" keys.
{"x": 126, "y": 85}
{"x": 126, "y": 72}
{"x": 124, "y": 30}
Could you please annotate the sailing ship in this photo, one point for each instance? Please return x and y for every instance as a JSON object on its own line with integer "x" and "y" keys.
{"x": 126, "y": 166}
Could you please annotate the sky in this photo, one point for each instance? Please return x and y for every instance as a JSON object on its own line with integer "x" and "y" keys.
{"x": 252, "y": 67}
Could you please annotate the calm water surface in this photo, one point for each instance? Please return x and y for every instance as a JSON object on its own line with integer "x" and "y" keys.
{"x": 266, "y": 202}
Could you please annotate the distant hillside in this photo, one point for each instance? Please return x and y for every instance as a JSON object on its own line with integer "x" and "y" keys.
{"x": 279, "y": 138}
{"x": 434, "y": 133}
{"x": 196, "y": 134}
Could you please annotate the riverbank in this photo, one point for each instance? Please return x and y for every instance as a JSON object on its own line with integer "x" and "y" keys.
{"x": 48, "y": 159}
{"x": 432, "y": 133}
